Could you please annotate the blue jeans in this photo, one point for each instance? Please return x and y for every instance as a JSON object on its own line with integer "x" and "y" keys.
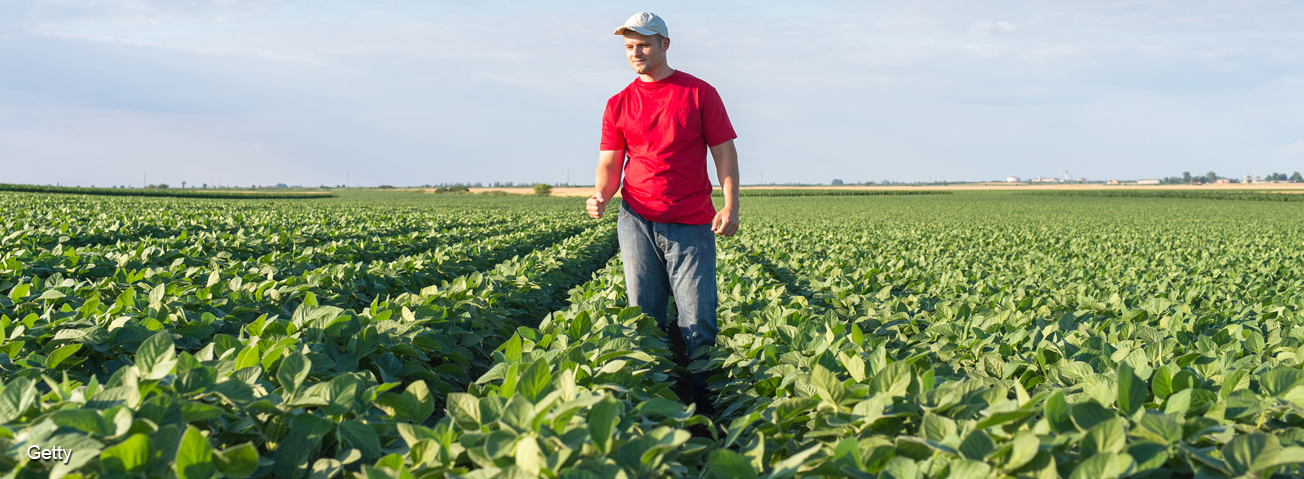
{"x": 670, "y": 258}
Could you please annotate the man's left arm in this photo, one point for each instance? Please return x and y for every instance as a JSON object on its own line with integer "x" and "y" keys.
{"x": 726, "y": 166}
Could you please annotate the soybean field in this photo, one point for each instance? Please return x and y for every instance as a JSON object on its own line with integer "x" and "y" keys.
{"x": 405, "y": 335}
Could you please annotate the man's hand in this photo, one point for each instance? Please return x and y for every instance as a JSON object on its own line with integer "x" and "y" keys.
{"x": 725, "y": 222}
{"x": 596, "y": 205}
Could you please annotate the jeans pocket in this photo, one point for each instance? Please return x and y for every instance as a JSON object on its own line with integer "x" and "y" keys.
{"x": 624, "y": 212}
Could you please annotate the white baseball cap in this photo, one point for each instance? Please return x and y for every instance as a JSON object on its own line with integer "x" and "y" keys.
{"x": 646, "y": 23}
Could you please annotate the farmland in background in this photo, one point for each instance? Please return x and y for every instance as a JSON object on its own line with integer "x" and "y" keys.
{"x": 399, "y": 334}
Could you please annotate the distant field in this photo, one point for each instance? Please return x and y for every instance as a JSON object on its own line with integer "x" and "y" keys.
{"x": 1281, "y": 187}
{"x": 208, "y": 193}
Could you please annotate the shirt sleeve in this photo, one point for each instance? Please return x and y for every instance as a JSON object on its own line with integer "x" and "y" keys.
{"x": 612, "y": 138}
{"x": 715, "y": 120}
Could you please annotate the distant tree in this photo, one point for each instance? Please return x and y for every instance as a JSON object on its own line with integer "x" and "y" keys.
{"x": 1296, "y": 178}
{"x": 1186, "y": 177}
{"x": 183, "y": 185}
{"x": 542, "y": 189}
{"x": 1213, "y": 178}
{"x": 836, "y": 182}
{"x": 162, "y": 186}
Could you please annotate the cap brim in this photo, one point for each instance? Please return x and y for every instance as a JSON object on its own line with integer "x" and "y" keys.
{"x": 639, "y": 30}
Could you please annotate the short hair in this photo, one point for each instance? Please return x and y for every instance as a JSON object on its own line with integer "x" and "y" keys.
{"x": 659, "y": 39}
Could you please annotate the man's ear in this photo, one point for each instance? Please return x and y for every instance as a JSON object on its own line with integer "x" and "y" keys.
{"x": 665, "y": 44}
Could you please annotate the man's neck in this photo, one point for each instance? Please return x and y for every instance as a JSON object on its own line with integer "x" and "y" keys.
{"x": 661, "y": 73}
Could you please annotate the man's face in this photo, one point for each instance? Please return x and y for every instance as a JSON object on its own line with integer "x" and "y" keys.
{"x": 644, "y": 52}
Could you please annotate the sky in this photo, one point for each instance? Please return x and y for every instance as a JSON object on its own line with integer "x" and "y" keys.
{"x": 324, "y": 92}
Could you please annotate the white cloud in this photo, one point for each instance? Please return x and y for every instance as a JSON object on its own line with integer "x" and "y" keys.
{"x": 1294, "y": 149}
{"x": 987, "y": 27}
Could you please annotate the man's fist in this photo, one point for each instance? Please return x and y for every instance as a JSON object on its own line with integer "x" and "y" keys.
{"x": 596, "y": 205}
{"x": 725, "y": 222}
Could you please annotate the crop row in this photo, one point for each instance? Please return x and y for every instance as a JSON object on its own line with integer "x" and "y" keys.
{"x": 196, "y": 230}
{"x": 174, "y": 193}
{"x": 283, "y": 395}
{"x": 858, "y": 363}
{"x": 585, "y": 394}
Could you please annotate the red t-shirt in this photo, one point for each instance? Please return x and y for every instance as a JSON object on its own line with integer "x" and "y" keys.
{"x": 665, "y": 128}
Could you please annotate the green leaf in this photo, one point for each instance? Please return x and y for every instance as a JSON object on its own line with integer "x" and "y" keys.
{"x": 529, "y": 456}
{"x": 789, "y": 466}
{"x": 737, "y": 427}
{"x": 512, "y": 348}
{"x": 1058, "y": 413}
{"x": 237, "y": 462}
{"x": 519, "y": 414}
{"x": 1289, "y": 455}
{"x": 1132, "y": 391}
{"x": 893, "y": 380}
{"x": 156, "y": 294}
{"x": 18, "y": 396}
{"x": 1236, "y": 380}
{"x": 1023, "y": 449}
{"x": 250, "y": 356}
{"x": 419, "y": 401}
{"x": 1107, "y": 436}
{"x": 156, "y": 356}
{"x": 726, "y": 464}
{"x": 977, "y": 445}
{"x": 536, "y": 381}
{"x": 937, "y": 428}
{"x": 195, "y": 456}
{"x": 968, "y": 469}
{"x": 343, "y": 394}
{"x": 293, "y": 371}
{"x": 602, "y": 420}
{"x": 500, "y": 443}
{"x": 1278, "y": 382}
{"x": 362, "y": 437}
{"x": 1087, "y": 414}
{"x": 127, "y": 456}
{"x": 827, "y": 386}
{"x": 1148, "y": 455}
{"x": 465, "y": 411}
{"x": 1162, "y": 382}
{"x": 86, "y": 420}
{"x": 50, "y": 294}
{"x": 900, "y": 468}
{"x": 64, "y": 352}
{"x": 1161, "y": 427}
{"x": 1251, "y": 452}
{"x": 1106, "y": 465}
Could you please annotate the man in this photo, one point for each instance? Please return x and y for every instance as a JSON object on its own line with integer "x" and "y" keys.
{"x": 664, "y": 123}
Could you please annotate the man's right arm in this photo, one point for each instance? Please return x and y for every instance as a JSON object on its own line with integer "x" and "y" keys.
{"x": 606, "y": 181}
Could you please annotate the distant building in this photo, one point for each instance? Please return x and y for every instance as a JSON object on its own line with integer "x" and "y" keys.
{"x": 1147, "y": 182}
{"x": 1112, "y": 182}
{"x": 1011, "y": 179}
{"x": 1252, "y": 178}
{"x": 1223, "y": 181}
